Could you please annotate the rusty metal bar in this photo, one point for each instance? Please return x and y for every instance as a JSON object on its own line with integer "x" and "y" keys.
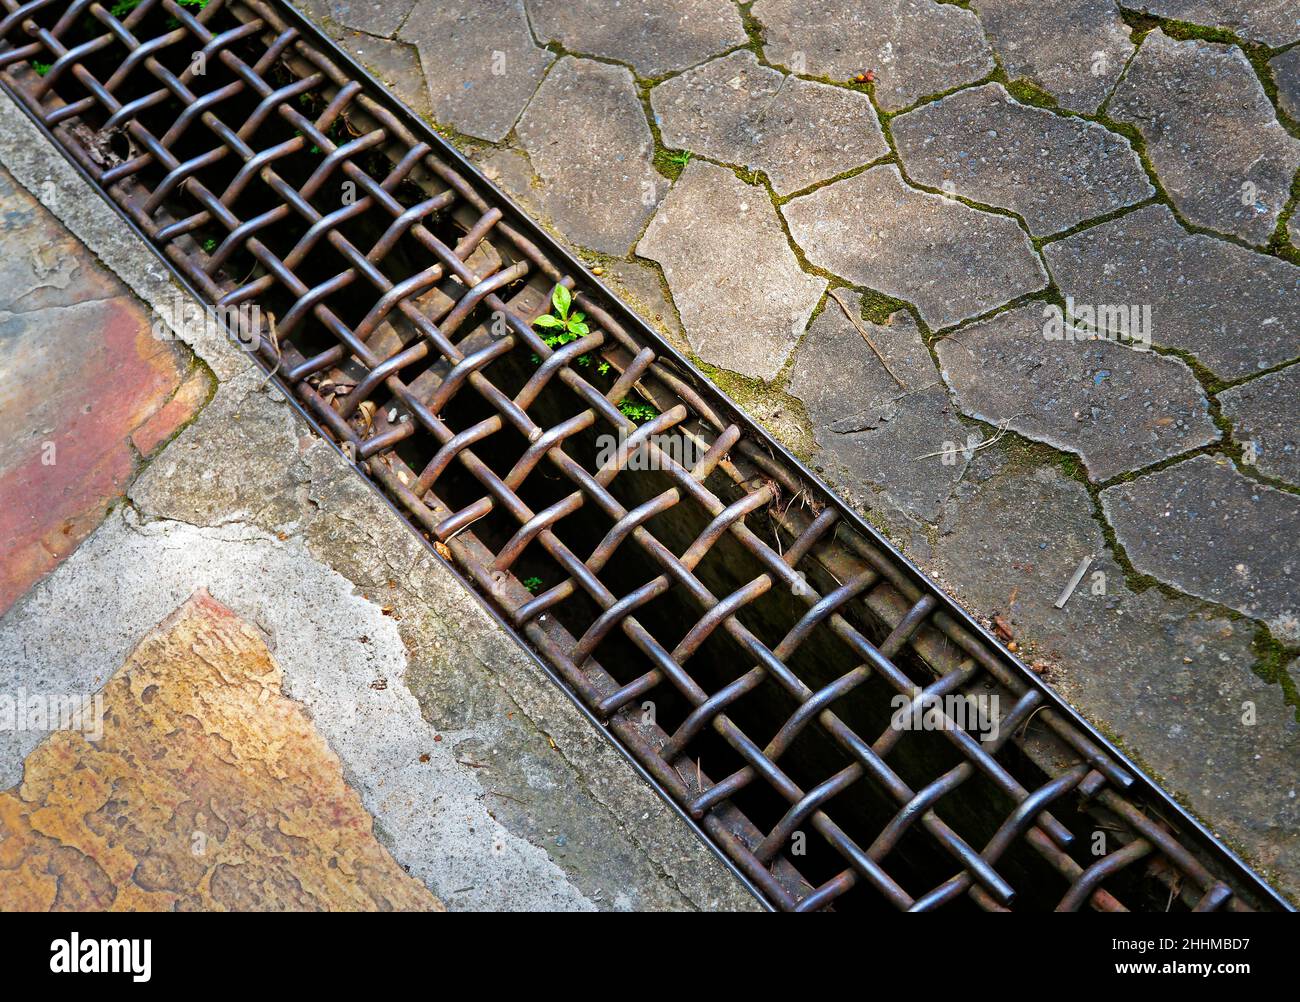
{"x": 703, "y": 595}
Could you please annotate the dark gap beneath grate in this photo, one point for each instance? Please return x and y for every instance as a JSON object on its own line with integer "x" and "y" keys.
{"x": 745, "y": 593}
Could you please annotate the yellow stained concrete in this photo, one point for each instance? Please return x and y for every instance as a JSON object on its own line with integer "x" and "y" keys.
{"x": 209, "y": 789}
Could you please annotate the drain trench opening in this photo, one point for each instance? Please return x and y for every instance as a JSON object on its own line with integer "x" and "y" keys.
{"x": 745, "y": 638}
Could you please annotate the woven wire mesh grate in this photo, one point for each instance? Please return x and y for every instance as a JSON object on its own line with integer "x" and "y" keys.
{"x": 778, "y": 670}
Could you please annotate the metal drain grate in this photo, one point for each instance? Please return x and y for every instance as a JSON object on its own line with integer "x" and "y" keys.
{"x": 742, "y": 635}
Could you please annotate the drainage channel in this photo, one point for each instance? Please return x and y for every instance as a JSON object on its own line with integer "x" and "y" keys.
{"x": 836, "y": 726}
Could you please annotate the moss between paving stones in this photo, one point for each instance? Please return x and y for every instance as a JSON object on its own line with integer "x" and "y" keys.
{"x": 1026, "y": 91}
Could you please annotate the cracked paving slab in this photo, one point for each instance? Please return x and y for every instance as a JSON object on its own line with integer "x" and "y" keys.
{"x": 1074, "y": 50}
{"x": 1235, "y": 310}
{"x": 1263, "y": 414}
{"x": 915, "y": 47}
{"x": 374, "y": 17}
{"x": 1211, "y": 133}
{"x": 1053, "y": 171}
{"x": 479, "y": 60}
{"x": 887, "y": 439}
{"x": 1209, "y": 530}
{"x": 742, "y": 296}
{"x": 395, "y": 64}
{"x": 949, "y": 260}
{"x": 1117, "y": 407}
{"x": 587, "y": 138}
{"x": 655, "y": 36}
{"x": 1167, "y": 677}
{"x": 1272, "y": 22}
{"x": 798, "y": 132}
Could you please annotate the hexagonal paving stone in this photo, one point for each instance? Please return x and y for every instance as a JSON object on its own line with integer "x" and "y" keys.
{"x": 1075, "y": 50}
{"x": 742, "y": 297}
{"x": 915, "y": 47}
{"x": 479, "y": 60}
{"x": 890, "y": 431}
{"x": 1166, "y": 675}
{"x": 1053, "y": 170}
{"x": 1208, "y": 530}
{"x": 1235, "y": 310}
{"x": 1235, "y": 177}
{"x": 1272, "y": 22}
{"x": 1265, "y": 421}
{"x": 839, "y": 377}
{"x": 1117, "y": 407}
{"x": 1286, "y": 74}
{"x": 655, "y": 36}
{"x": 797, "y": 131}
{"x": 952, "y": 261}
{"x": 588, "y": 140}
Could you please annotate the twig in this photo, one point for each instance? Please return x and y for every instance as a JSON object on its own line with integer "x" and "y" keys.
{"x": 762, "y": 114}
{"x": 972, "y": 449}
{"x": 1079, "y": 572}
{"x": 275, "y": 345}
{"x": 1024, "y": 728}
{"x": 465, "y": 526}
{"x": 835, "y": 295}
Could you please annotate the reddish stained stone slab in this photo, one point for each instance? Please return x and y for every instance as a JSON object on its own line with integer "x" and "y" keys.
{"x": 80, "y": 372}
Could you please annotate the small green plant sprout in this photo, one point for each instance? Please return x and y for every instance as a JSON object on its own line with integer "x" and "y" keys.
{"x": 41, "y": 68}
{"x": 124, "y": 7}
{"x": 210, "y": 244}
{"x": 681, "y": 158}
{"x": 532, "y": 584}
{"x": 603, "y": 368}
{"x": 567, "y": 326}
{"x": 638, "y": 412}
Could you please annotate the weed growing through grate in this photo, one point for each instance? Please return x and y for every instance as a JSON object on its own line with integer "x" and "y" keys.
{"x": 638, "y": 412}
{"x": 568, "y": 326}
